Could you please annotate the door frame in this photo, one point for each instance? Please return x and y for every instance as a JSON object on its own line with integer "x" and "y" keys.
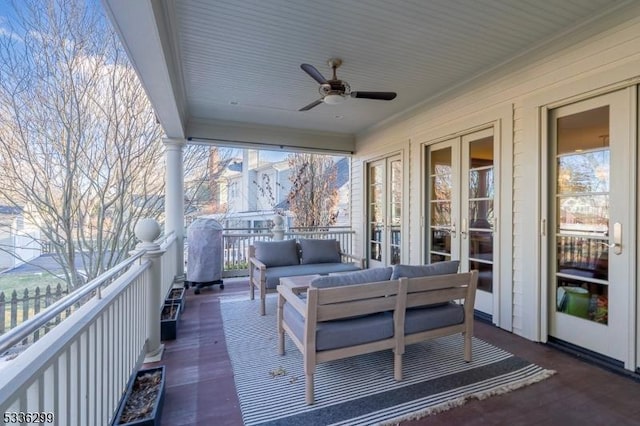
{"x": 622, "y": 177}
{"x": 537, "y": 111}
{"x": 501, "y": 119}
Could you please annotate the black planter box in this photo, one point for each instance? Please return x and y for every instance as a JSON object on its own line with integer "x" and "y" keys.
{"x": 169, "y": 326}
{"x": 176, "y": 295}
{"x": 154, "y": 417}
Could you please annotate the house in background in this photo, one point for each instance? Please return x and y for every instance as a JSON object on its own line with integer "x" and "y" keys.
{"x": 19, "y": 240}
{"x": 254, "y": 186}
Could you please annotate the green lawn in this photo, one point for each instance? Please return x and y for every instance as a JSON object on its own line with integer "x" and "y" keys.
{"x": 18, "y": 282}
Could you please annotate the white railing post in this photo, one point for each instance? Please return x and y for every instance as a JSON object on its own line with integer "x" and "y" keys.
{"x": 147, "y": 231}
{"x": 278, "y": 229}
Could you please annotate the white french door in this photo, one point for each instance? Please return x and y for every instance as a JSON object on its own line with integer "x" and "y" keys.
{"x": 461, "y": 199}
{"x": 591, "y": 265}
{"x": 384, "y": 215}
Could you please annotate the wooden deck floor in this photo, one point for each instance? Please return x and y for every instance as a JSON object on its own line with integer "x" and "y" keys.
{"x": 201, "y": 391}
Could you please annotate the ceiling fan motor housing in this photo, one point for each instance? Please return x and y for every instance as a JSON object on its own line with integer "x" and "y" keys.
{"x": 335, "y": 87}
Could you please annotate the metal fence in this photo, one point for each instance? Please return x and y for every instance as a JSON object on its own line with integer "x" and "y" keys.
{"x": 20, "y": 306}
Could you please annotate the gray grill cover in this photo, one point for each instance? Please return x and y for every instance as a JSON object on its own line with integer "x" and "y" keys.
{"x": 204, "y": 262}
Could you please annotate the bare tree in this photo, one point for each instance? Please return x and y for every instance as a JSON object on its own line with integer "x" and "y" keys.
{"x": 80, "y": 148}
{"x": 313, "y": 197}
{"x": 204, "y": 167}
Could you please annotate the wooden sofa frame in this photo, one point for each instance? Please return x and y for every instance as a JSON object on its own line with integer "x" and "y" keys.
{"x": 326, "y": 304}
{"x": 258, "y": 274}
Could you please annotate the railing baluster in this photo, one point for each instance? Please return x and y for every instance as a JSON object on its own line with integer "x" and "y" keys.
{"x": 14, "y": 308}
{"x": 36, "y": 309}
{"x": 3, "y": 313}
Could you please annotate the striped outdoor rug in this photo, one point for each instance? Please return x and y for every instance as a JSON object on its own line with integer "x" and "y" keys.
{"x": 359, "y": 390}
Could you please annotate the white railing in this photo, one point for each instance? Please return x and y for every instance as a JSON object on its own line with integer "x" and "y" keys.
{"x": 79, "y": 370}
{"x": 169, "y": 269}
{"x": 236, "y": 241}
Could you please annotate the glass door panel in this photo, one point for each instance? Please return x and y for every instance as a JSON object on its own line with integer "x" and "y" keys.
{"x": 395, "y": 213}
{"x": 440, "y": 203}
{"x": 478, "y": 232}
{"x": 376, "y": 211}
{"x": 589, "y": 283}
{"x": 385, "y": 211}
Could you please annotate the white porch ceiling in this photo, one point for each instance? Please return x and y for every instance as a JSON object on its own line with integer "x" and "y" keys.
{"x": 207, "y": 64}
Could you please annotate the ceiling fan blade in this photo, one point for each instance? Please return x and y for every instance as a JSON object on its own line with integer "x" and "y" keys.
{"x": 381, "y": 96}
{"x": 311, "y": 105}
{"x": 314, "y": 73}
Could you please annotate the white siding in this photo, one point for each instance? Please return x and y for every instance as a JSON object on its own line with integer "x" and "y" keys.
{"x": 602, "y": 54}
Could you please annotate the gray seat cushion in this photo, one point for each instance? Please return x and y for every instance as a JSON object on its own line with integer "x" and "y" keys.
{"x": 319, "y": 251}
{"x": 429, "y": 318}
{"x": 415, "y": 271}
{"x": 342, "y": 333}
{"x": 361, "y": 277}
{"x": 274, "y": 274}
{"x": 277, "y": 253}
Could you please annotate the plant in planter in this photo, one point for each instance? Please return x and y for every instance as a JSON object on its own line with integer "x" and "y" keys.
{"x": 176, "y": 295}
{"x": 169, "y": 321}
{"x": 142, "y": 402}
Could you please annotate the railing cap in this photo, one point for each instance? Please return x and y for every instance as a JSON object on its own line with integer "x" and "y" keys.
{"x": 147, "y": 230}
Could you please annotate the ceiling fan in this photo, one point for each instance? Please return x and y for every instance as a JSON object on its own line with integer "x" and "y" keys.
{"x": 335, "y": 91}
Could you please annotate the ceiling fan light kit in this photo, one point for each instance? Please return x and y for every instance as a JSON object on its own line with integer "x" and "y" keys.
{"x": 334, "y": 99}
{"x": 336, "y": 91}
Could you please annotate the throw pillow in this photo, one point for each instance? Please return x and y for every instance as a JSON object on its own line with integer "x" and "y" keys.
{"x": 319, "y": 251}
{"x": 277, "y": 253}
{"x": 360, "y": 277}
{"x": 414, "y": 271}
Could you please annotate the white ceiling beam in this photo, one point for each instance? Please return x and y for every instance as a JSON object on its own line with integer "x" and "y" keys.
{"x": 231, "y": 133}
{"x": 142, "y": 28}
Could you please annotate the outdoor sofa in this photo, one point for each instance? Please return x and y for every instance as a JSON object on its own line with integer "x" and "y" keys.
{"x": 271, "y": 260}
{"x": 382, "y": 308}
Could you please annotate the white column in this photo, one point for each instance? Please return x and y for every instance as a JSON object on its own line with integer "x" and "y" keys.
{"x": 147, "y": 231}
{"x": 174, "y": 197}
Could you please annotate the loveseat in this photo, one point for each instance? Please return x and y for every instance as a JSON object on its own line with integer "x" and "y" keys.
{"x": 382, "y": 308}
{"x": 271, "y": 260}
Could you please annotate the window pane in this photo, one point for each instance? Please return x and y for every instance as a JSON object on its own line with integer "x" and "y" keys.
{"x": 441, "y": 214}
{"x": 585, "y": 172}
{"x": 481, "y": 245}
{"x": 440, "y": 161}
{"x": 481, "y": 183}
{"x": 585, "y": 214}
{"x": 441, "y": 240}
{"x": 485, "y": 275}
{"x": 481, "y": 214}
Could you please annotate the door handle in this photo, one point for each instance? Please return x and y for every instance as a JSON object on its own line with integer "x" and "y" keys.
{"x": 617, "y": 238}
{"x": 463, "y": 230}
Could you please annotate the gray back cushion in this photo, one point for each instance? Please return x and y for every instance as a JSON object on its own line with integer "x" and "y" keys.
{"x": 361, "y": 277}
{"x": 414, "y": 271}
{"x": 319, "y": 251}
{"x": 277, "y": 253}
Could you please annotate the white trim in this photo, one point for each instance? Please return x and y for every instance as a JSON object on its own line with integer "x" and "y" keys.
{"x": 633, "y": 351}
